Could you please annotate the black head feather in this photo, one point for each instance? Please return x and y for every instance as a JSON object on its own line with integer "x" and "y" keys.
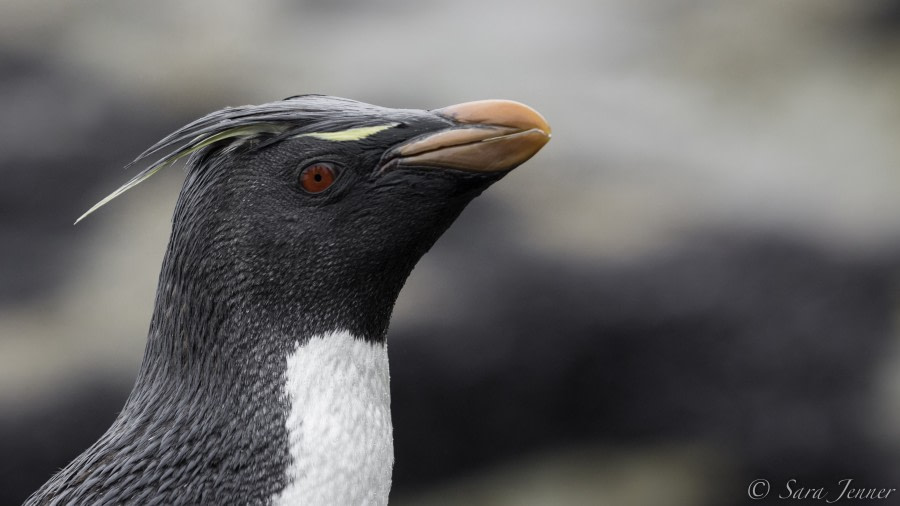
{"x": 254, "y": 265}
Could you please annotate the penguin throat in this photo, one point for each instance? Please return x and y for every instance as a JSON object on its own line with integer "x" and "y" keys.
{"x": 339, "y": 428}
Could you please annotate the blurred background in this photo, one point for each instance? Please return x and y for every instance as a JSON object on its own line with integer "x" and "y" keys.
{"x": 694, "y": 285}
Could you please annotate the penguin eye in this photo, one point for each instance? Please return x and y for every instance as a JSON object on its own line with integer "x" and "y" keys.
{"x": 317, "y": 177}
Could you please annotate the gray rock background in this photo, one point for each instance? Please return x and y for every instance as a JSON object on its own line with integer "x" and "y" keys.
{"x": 692, "y": 286}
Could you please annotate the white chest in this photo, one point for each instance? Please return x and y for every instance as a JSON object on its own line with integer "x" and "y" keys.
{"x": 339, "y": 425}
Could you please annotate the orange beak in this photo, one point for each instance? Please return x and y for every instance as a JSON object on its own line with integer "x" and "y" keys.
{"x": 490, "y": 136}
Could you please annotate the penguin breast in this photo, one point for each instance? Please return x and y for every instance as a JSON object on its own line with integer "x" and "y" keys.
{"x": 339, "y": 422}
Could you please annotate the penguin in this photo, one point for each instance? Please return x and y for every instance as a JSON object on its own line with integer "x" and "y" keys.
{"x": 265, "y": 375}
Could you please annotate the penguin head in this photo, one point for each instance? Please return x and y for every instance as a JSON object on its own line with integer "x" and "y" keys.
{"x": 312, "y": 211}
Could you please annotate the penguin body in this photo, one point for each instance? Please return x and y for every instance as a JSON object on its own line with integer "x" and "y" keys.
{"x": 265, "y": 377}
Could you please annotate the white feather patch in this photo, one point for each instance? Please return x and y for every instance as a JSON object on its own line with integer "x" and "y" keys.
{"x": 339, "y": 425}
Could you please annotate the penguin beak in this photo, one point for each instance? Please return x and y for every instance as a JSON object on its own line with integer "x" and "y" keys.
{"x": 486, "y": 136}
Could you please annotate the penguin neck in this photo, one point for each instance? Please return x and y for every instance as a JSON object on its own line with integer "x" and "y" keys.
{"x": 215, "y": 320}
{"x": 270, "y": 373}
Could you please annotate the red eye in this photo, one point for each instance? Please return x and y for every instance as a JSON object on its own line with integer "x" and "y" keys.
{"x": 317, "y": 177}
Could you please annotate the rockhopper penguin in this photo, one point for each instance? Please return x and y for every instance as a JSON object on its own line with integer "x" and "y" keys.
{"x": 265, "y": 375}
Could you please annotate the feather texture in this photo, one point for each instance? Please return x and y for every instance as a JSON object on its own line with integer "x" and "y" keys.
{"x": 288, "y": 116}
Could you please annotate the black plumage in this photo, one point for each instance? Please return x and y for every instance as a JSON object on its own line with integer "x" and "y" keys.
{"x": 255, "y": 264}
